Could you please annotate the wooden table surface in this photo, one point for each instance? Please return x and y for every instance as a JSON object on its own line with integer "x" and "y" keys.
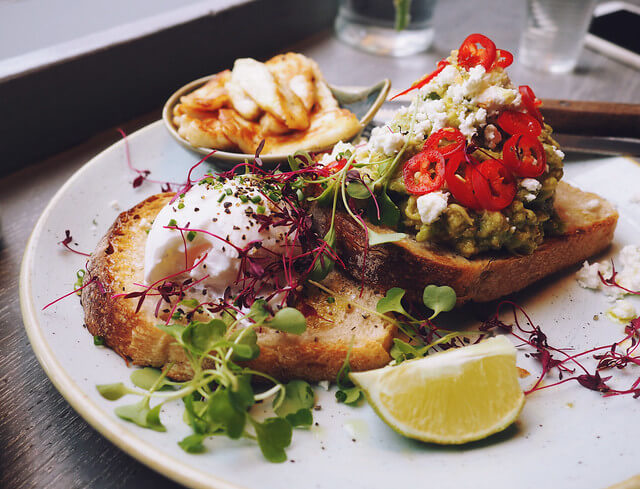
{"x": 43, "y": 442}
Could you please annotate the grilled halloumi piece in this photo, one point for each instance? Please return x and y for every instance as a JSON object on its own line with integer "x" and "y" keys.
{"x": 279, "y": 100}
{"x": 245, "y": 134}
{"x": 324, "y": 98}
{"x": 325, "y": 129}
{"x": 271, "y": 126}
{"x": 205, "y": 131}
{"x": 298, "y": 73}
{"x": 284, "y": 101}
{"x": 211, "y": 96}
{"x": 240, "y": 101}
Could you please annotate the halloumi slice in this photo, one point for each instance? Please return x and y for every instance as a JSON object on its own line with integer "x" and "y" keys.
{"x": 243, "y": 133}
{"x": 326, "y": 128}
{"x": 271, "y": 126}
{"x": 240, "y": 101}
{"x": 211, "y": 96}
{"x": 297, "y": 72}
{"x": 206, "y": 132}
{"x": 279, "y": 100}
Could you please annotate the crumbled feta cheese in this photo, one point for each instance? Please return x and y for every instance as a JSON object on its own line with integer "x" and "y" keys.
{"x": 587, "y": 276}
{"x": 422, "y": 129}
{"x": 324, "y": 384}
{"x": 559, "y": 153}
{"x": 531, "y": 184}
{"x": 445, "y": 78}
{"x": 476, "y": 77}
{"x": 494, "y": 97}
{"x": 456, "y": 97}
{"x": 627, "y": 268}
{"x": 492, "y": 136}
{"x": 629, "y": 274}
{"x": 469, "y": 123}
{"x": 622, "y": 311}
{"x": 431, "y": 205}
{"x": 341, "y": 147}
{"x": 386, "y": 141}
{"x": 326, "y": 159}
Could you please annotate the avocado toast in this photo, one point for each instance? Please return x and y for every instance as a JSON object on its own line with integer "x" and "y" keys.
{"x": 461, "y": 188}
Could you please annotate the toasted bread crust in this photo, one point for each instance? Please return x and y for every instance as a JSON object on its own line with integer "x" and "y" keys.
{"x": 317, "y": 354}
{"x": 412, "y": 265}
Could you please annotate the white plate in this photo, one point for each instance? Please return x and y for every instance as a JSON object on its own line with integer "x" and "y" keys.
{"x": 566, "y": 437}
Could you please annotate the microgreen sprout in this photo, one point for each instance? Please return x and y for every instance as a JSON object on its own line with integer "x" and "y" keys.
{"x": 67, "y": 240}
{"x": 609, "y": 356}
{"x": 79, "y": 279}
{"x": 612, "y": 282}
{"x": 439, "y": 299}
{"x": 347, "y": 392}
{"x": 220, "y": 394}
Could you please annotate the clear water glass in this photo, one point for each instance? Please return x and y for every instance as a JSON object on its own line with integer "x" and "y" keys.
{"x": 552, "y": 38}
{"x": 370, "y": 25}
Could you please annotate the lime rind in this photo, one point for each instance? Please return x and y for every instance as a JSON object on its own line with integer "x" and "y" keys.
{"x": 463, "y": 406}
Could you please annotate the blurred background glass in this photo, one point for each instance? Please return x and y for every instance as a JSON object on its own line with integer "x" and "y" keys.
{"x": 387, "y": 27}
{"x": 554, "y": 33}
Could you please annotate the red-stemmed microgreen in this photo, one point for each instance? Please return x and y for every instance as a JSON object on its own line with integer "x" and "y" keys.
{"x": 67, "y": 240}
{"x": 81, "y": 284}
{"x": 143, "y": 175}
{"x": 612, "y": 282}
{"x": 544, "y": 353}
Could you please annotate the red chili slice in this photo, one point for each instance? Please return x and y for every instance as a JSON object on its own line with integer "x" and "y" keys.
{"x": 458, "y": 177}
{"x": 336, "y": 166}
{"x": 514, "y": 122}
{"x": 530, "y": 102}
{"x": 503, "y": 58}
{"x": 331, "y": 168}
{"x": 424, "y": 172}
{"x": 494, "y": 185}
{"x": 477, "y": 50}
{"x": 524, "y": 155}
{"x": 447, "y": 141}
{"x": 425, "y": 79}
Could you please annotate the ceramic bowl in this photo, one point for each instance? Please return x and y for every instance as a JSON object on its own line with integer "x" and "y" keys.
{"x": 364, "y": 102}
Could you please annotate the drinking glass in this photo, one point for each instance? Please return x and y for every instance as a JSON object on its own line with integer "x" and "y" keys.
{"x": 370, "y": 25}
{"x": 554, "y": 32}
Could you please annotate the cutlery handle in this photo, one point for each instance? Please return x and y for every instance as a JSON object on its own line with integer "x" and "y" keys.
{"x": 592, "y": 118}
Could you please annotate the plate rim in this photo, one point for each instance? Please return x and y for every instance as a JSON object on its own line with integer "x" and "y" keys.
{"x": 89, "y": 410}
{"x": 167, "y": 117}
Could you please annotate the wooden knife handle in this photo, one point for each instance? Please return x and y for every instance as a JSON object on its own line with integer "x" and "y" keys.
{"x": 592, "y": 118}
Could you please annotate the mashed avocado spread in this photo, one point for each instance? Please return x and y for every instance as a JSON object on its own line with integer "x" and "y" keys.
{"x": 469, "y": 99}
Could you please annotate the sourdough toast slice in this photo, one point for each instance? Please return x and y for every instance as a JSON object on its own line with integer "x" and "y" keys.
{"x": 317, "y": 354}
{"x": 413, "y": 265}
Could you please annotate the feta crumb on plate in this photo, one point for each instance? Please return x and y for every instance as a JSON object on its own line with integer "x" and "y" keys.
{"x": 622, "y": 311}
{"x": 627, "y": 268}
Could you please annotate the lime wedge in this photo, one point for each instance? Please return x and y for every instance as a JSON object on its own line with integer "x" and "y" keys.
{"x": 452, "y": 397}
